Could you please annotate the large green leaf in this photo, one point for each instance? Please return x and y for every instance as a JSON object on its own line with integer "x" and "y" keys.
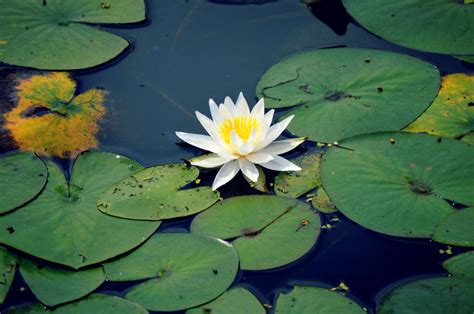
{"x": 51, "y": 34}
{"x": 346, "y": 91}
{"x": 441, "y": 26}
{"x": 315, "y": 300}
{"x": 456, "y": 229}
{"x": 53, "y": 286}
{"x": 399, "y": 183}
{"x": 434, "y": 296}
{"x": 234, "y": 301}
{"x": 269, "y": 231}
{"x": 7, "y": 272}
{"x": 185, "y": 270}
{"x": 154, "y": 194}
{"x": 461, "y": 265}
{"x": 22, "y": 177}
{"x": 103, "y": 304}
{"x": 64, "y": 222}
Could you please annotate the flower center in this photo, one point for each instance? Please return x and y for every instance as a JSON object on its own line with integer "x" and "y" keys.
{"x": 243, "y": 126}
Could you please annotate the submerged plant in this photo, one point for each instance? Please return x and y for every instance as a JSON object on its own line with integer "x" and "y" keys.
{"x": 239, "y": 139}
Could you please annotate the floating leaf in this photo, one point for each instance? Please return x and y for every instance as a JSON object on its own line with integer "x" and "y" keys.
{"x": 461, "y": 265}
{"x": 234, "y": 301}
{"x": 53, "y": 286}
{"x": 434, "y": 296}
{"x": 49, "y": 119}
{"x": 103, "y": 304}
{"x": 469, "y": 59}
{"x": 64, "y": 222}
{"x": 343, "y": 92}
{"x": 456, "y": 229}
{"x": 322, "y": 202}
{"x": 7, "y": 272}
{"x": 54, "y": 34}
{"x": 452, "y": 112}
{"x": 184, "y": 270}
{"x": 156, "y": 193}
{"x": 440, "y": 26}
{"x": 315, "y": 300}
{"x": 468, "y": 138}
{"x": 397, "y": 183}
{"x": 270, "y": 231}
{"x": 294, "y": 184}
{"x": 22, "y": 177}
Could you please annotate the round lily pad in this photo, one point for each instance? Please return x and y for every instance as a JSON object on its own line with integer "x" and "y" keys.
{"x": 322, "y": 202}
{"x": 399, "y": 183}
{"x": 456, "y": 229}
{"x": 53, "y": 286}
{"x": 452, "y": 112}
{"x": 103, "y": 304}
{"x": 54, "y": 34}
{"x": 7, "y": 272}
{"x": 469, "y": 59}
{"x": 185, "y": 270}
{"x": 296, "y": 183}
{"x": 234, "y": 301}
{"x": 22, "y": 177}
{"x": 434, "y": 296}
{"x": 461, "y": 265}
{"x": 468, "y": 138}
{"x": 315, "y": 300}
{"x": 268, "y": 231}
{"x": 64, "y": 221}
{"x": 156, "y": 193}
{"x": 441, "y": 26}
{"x": 343, "y": 92}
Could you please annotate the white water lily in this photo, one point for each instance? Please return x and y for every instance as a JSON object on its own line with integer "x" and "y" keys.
{"x": 239, "y": 139}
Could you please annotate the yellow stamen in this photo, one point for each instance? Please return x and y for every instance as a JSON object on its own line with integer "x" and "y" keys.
{"x": 241, "y": 125}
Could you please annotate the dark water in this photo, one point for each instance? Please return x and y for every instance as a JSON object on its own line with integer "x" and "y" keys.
{"x": 191, "y": 50}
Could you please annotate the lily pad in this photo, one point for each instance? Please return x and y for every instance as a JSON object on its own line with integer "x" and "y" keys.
{"x": 53, "y": 286}
{"x": 7, "y": 272}
{"x": 322, "y": 202}
{"x": 440, "y": 26}
{"x": 184, "y": 270}
{"x": 468, "y": 138}
{"x": 461, "y": 265}
{"x": 434, "y": 296}
{"x": 56, "y": 34}
{"x": 234, "y": 301}
{"x": 294, "y": 184}
{"x": 452, "y": 112}
{"x": 22, "y": 177}
{"x": 398, "y": 183}
{"x": 343, "y": 92}
{"x": 103, "y": 304}
{"x": 456, "y": 229}
{"x": 469, "y": 59}
{"x": 50, "y": 119}
{"x": 64, "y": 222}
{"x": 315, "y": 300}
{"x": 269, "y": 231}
{"x": 156, "y": 193}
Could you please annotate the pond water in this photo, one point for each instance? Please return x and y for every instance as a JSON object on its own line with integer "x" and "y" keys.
{"x": 190, "y": 50}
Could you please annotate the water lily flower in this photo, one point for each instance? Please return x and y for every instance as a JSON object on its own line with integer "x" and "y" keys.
{"x": 240, "y": 139}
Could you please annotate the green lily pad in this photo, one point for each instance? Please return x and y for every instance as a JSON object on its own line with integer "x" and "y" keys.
{"x": 322, "y": 202}
{"x": 260, "y": 225}
{"x": 64, "y": 221}
{"x": 55, "y": 34}
{"x": 7, "y": 272}
{"x": 434, "y": 296}
{"x": 294, "y": 184}
{"x": 234, "y": 301}
{"x": 461, "y": 265}
{"x": 343, "y": 92}
{"x": 440, "y": 26}
{"x": 468, "y": 138}
{"x": 315, "y": 300}
{"x": 185, "y": 270}
{"x": 469, "y": 59}
{"x": 22, "y": 177}
{"x": 103, "y": 304}
{"x": 397, "y": 183}
{"x": 155, "y": 193}
{"x": 53, "y": 286}
{"x": 456, "y": 229}
{"x": 452, "y": 112}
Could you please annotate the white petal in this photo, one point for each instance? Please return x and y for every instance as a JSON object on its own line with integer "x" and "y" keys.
{"x": 248, "y": 169}
{"x": 235, "y": 141}
{"x": 208, "y": 125}
{"x": 246, "y": 148}
{"x": 267, "y": 121}
{"x": 225, "y": 113}
{"x": 214, "y": 111}
{"x": 229, "y": 104}
{"x": 225, "y": 174}
{"x": 274, "y": 132}
{"x": 210, "y": 161}
{"x": 202, "y": 141}
{"x": 259, "y": 157}
{"x": 258, "y": 111}
{"x": 242, "y": 108}
{"x": 281, "y": 147}
{"x": 280, "y": 164}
